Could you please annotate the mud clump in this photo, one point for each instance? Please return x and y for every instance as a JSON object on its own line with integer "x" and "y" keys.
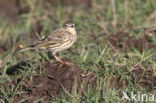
{"x": 55, "y": 81}
{"x": 146, "y": 78}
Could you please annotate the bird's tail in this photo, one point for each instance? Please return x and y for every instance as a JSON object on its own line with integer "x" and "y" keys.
{"x": 24, "y": 49}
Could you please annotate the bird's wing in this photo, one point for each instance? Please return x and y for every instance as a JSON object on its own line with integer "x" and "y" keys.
{"x": 58, "y": 34}
{"x": 55, "y": 38}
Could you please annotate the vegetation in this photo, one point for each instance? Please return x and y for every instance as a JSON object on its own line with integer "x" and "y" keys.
{"x": 116, "y": 41}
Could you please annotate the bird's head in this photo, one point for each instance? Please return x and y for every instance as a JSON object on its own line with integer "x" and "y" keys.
{"x": 69, "y": 26}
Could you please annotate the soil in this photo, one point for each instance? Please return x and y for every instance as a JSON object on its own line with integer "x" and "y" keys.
{"x": 125, "y": 42}
{"x": 146, "y": 78}
{"x": 56, "y": 80}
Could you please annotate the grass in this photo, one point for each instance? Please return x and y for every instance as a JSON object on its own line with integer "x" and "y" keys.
{"x": 91, "y": 52}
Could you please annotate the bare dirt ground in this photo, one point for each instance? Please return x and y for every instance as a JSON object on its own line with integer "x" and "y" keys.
{"x": 126, "y": 42}
{"x": 56, "y": 80}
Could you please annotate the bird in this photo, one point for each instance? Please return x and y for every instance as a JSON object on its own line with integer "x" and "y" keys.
{"x": 57, "y": 41}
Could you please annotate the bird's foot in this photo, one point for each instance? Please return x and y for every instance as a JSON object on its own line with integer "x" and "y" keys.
{"x": 64, "y": 63}
{"x": 60, "y": 61}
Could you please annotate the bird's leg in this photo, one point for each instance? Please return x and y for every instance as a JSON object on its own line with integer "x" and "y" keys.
{"x": 57, "y": 58}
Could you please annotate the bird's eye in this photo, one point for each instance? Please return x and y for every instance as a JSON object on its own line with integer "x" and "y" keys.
{"x": 66, "y": 25}
{"x": 72, "y": 26}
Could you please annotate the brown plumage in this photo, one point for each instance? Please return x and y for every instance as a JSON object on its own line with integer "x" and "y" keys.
{"x": 59, "y": 40}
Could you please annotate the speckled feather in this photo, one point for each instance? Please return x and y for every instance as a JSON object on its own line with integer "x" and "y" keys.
{"x": 59, "y": 40}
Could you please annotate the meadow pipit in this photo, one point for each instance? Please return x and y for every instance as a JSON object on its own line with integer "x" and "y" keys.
{"x": 59, "y": 40}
